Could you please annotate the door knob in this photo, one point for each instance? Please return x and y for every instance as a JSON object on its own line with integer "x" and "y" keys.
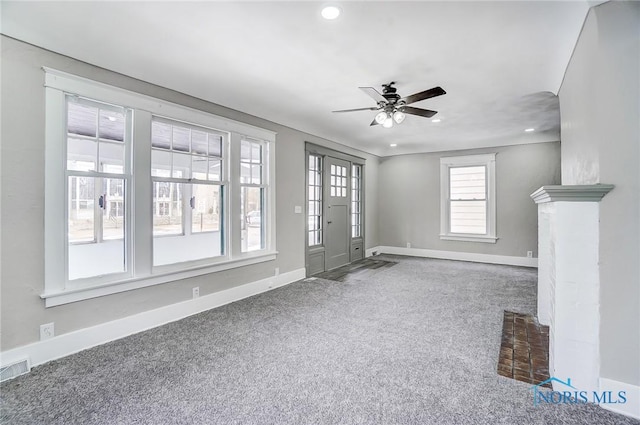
{"x": 329, "y": 222}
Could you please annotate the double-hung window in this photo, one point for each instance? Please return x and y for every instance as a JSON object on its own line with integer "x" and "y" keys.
{"x": 468, "y": 201}
{"x": 253, "y": 186}
{"x": 98, "y": 177}
{"x": 188, "y": 191}
{"x": 140, "y": 191}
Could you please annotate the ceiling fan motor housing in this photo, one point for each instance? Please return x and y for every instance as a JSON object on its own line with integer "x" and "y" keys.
{"x": 389, "y": 93}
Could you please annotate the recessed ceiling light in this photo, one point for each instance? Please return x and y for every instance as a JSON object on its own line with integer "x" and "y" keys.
{"x": 436, "y": 120}
{"x": 393, "y": 145}
{"x": 529, "y": 130}
{"x": 330, "y": 12}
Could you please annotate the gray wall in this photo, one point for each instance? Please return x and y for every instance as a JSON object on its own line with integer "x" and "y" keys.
{"x": 599, "y": 104}
{"x": 22, "y": 190}
{"x": 409, "y": 199}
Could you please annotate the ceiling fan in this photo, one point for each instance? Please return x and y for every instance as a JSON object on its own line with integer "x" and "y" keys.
{"x": 393, "y": 108}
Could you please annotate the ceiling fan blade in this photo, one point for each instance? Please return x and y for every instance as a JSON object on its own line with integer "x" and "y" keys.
{"x": 418, "y": 111}
{"x": 436, "y": 91}
{"x": 374, "y": 122}
{"x": 375, "y": 94}
{"x": 358, "y": 109}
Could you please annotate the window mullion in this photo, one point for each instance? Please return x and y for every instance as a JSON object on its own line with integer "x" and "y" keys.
{"x": 234, "y": 198}
{"x": 141, "y": 192}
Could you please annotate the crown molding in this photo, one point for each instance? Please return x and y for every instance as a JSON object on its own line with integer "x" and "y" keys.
{"x": 571, "y": 193}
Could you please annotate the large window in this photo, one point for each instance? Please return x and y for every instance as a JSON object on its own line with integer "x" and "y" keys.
{"x": 188, "y": 188}
{"x": 252, "y": 196}
{"x": 147, "y": 193}
{"x": 97, "y": 141}
{"x": 315, "y": 200}
{"x": 468, "y": 198}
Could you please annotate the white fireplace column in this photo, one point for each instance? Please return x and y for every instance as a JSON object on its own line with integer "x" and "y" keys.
{"x": 569, "y": 279}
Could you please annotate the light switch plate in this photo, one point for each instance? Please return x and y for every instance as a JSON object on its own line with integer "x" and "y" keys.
{"x": 297, "y": 209}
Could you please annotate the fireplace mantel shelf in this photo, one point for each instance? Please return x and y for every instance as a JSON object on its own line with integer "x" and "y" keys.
{"x": 571, "y": 193}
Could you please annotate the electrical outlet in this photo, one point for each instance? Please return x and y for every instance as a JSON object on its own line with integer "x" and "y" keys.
{"x": 196, "y": 292}
{"x": 408, "y": 244}
{"x": 47, "y": 331}
{"x": 530, "y": 254}
{"x": 277, "y": 271}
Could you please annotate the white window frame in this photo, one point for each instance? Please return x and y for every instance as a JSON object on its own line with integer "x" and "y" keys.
{"x": 486, "y": 160}
{"x": 264, "y": 184}
{"x": 356, "y": 189}
{"x": 58, "y": 290}
{"x": 319, "y": 186}
{"x": 125, "y": 176}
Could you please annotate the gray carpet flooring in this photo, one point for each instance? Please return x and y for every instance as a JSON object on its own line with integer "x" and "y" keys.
{"x": 416, "y": 343}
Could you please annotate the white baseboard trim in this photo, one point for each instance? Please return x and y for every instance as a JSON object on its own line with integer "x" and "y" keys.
{"x": 60, "y": 346}
{"x": 454, "y": 255}
{"x": 372, "y": 251}
{"x": 632, "y": 406}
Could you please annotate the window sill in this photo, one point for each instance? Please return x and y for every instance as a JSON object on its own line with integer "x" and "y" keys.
{"x": 469, "y": 238}
{"x": 53, "y": 299}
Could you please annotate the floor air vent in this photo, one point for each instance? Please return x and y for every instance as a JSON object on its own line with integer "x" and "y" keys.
{"x": 15, "y": 369}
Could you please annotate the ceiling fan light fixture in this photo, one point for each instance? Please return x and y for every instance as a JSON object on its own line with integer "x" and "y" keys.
{"x": 399, "y": 116}
{"x": 330, "y": 12}
{"x": 388, "y": 122}
{"x": 381, "y": 117}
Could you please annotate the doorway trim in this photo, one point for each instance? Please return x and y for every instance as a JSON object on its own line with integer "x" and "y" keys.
{"x": 315, "y": 255}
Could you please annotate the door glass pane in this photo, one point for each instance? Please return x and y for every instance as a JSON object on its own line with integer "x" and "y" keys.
{"x": 253, "y": 219}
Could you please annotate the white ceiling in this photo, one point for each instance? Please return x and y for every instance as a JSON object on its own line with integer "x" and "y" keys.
{"x": 501, "y": 63}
